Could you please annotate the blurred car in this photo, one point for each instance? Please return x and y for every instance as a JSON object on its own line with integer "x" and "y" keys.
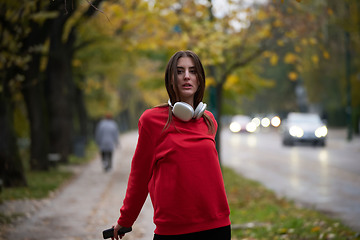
{"x": 304, "y": 127}
{"x": 242, "y": 123}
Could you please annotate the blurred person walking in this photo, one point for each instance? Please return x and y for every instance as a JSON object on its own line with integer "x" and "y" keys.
{"x": 107, "y": 139}
{"x": 177, "y": 163}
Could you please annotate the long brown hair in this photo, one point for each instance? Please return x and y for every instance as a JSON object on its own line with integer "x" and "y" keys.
{"x": 172, "y": 87}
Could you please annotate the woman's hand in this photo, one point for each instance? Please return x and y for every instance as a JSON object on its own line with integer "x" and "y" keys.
{"x": 117, "y": 227}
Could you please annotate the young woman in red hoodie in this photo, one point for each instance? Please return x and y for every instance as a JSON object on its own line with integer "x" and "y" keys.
{"x": 176, "y": 162}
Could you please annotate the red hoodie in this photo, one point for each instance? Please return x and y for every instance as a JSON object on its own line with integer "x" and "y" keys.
{"x": 179, "y": 167}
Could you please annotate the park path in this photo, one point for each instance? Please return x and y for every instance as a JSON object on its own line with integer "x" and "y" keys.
{"x": 86, "y": 206}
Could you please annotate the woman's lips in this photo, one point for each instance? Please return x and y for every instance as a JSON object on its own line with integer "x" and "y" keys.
{"x": 187, "y": 86}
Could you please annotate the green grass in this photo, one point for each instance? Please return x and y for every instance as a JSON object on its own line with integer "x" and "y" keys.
{"x": 40, "y": 185}
{"x": 273, "y": 217}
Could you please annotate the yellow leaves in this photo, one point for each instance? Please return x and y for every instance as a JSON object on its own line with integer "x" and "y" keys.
{"x": 297, "y": 49}
{"x": 280, "y": 43}
{"x": 76, "y": 62}
{"x": 326, "y": 55}
{"x": 262, "y": 15}
{"x": 290, "y": 58}
{"x": 211, "y": 48}
{"x": 312, "y": 41}
{"x": 293, "y": 76}
{"x": 101, "y": 95}
{"x": 245, "y": 81}
{"x": 315, "y": 229}
{"x": 304, "y": 41}
{"x": 149, "y": 81}
{"x": 231, "y": 81}
{"x": 210, "y": 81}
{"x": 91, "y": 85}
{"x": 278, "y": 23}
{"x": 274, "y": 59}
{"x": 265, "y": 32}
{"x": 115, "y": 9}
{"x": 282, "y": 230}
{"x": 330, "y": 12}
{"x": 266, "y": 54}
{"x": 315, "y": 59}
{"x": 44, "y": 15}
{"x": 291, "y": 34}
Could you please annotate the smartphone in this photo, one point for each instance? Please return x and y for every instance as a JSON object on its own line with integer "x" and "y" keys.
{"x": 108, "y": 233}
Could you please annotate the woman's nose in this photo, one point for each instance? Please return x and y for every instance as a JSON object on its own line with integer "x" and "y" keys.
{"x": 187, "y": 74}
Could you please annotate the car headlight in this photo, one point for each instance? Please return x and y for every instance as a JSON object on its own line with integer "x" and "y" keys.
{"x": 296, "y": 131}
{"x": 235, "y": 127}
{"x": 265, "y": 122}
{"x": 321, "y": 132}
{"x": 276, "y": 121}
{"x": 251, "y": 127}
{"x": 257, "y": 121}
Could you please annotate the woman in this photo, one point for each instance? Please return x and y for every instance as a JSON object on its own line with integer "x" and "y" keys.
{"x": 177, "y": 163}
{"x": 107, "y": 139}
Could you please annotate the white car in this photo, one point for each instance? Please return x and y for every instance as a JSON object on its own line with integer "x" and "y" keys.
{"x": 304, "y": 127}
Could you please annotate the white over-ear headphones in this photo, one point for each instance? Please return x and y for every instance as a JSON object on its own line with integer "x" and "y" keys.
{"x": 186, "y": 112}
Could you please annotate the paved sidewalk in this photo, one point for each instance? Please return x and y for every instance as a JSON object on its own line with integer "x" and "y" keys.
{"x": 85, "y": 207}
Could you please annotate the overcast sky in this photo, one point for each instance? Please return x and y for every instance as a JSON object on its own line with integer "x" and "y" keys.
{"x": 222, "y": 6}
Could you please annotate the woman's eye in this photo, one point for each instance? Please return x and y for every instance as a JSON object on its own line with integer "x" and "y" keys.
{"x": 180, "y": 71}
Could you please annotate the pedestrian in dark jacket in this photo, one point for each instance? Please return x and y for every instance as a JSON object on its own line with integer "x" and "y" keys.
{"x": 107, "y": 139}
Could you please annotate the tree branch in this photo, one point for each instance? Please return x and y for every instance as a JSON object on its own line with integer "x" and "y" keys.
{"x": 242, "y": 62}
{"x": 93, "y": 8}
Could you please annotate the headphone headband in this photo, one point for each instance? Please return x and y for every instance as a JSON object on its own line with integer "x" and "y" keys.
{"x": 186, "y": 112}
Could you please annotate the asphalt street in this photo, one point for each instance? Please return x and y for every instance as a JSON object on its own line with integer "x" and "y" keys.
{"x": 323, "y": 178}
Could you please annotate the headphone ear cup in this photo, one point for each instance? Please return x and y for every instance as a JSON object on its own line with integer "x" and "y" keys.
{"x": 183, "y": 111}
{"x": 200, "y": 109}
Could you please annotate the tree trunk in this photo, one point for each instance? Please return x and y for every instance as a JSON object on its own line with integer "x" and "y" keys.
{"x": 219, "y": 100}
{"x": 82, "y": 129}
{"x": 60, "y": 86}
{"x": 33, "y": 92}
{"x": 11, "y": 167}
{"x": 60, "y": 91}
{"x": 36, "y": 108}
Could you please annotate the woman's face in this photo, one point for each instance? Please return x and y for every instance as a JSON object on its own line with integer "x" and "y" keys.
{"x": 187, "y": 79}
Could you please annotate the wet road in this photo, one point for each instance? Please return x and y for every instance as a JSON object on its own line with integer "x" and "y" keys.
{"x": 326, "y": 178}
